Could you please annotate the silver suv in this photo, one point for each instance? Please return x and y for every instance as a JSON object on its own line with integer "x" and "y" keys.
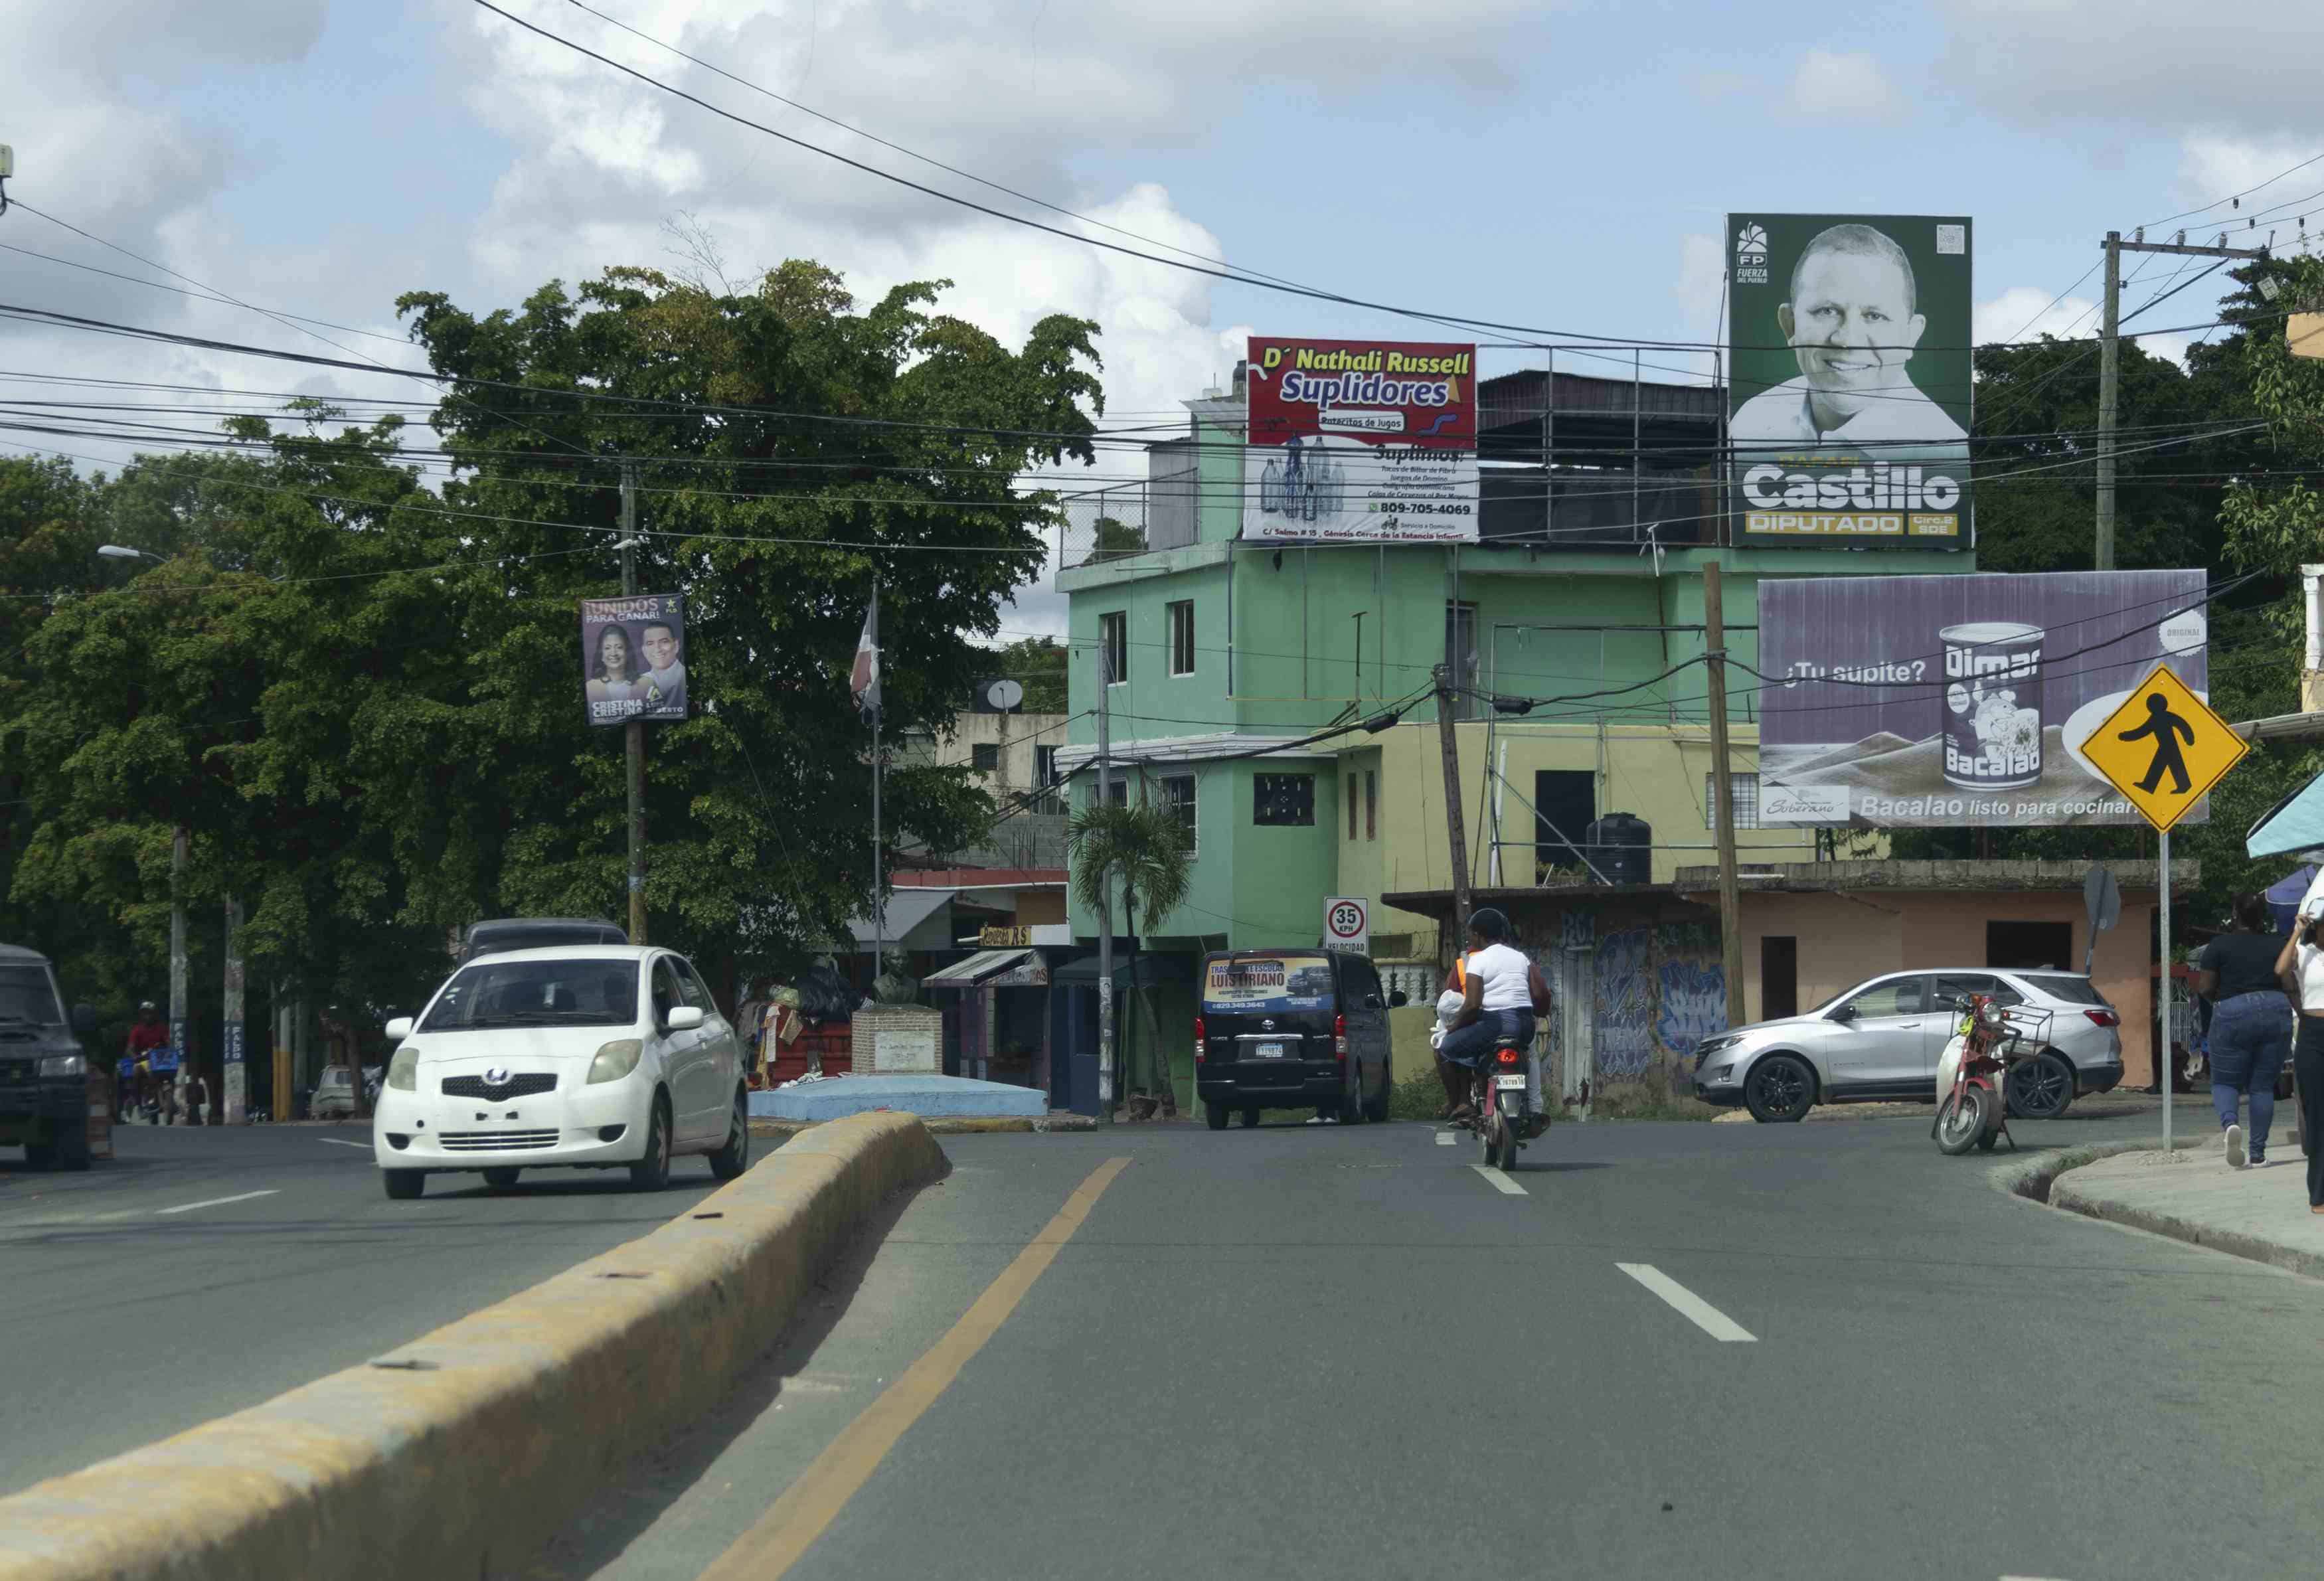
{"x": 1881, "y": 1039}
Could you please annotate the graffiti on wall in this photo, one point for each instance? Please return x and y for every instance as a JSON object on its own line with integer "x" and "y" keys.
{"x": 1692, "y": 977}
{"x": 1626, "y": 998}
{"x": 1577, "y": 929}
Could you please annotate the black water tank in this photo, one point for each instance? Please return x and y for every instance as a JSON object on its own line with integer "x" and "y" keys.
{"x": 1621, "y": 847}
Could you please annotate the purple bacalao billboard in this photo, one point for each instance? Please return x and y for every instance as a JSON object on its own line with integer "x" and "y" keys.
{"x": 1937, "y": 701}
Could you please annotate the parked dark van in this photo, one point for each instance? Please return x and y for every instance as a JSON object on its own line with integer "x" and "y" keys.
{"x": 1291, "y": 1028}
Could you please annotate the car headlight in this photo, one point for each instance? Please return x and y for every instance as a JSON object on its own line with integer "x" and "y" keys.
{"x": 403, "y": 1070}
{"x": 64, "y": 1065}
{"x": 616, "y": 1060}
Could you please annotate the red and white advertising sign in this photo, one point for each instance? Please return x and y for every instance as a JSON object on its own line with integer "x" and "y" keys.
{"x": 1361, "y": 441}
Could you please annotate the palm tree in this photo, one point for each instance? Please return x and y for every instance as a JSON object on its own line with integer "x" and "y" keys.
{"x": 1143, "y": 848}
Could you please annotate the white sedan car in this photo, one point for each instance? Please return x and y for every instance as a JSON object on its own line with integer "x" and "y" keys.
{"x": 597, "y": 1056}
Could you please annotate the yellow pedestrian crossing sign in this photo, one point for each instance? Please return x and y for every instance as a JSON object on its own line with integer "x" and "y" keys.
{"x": 2163, "y": 748}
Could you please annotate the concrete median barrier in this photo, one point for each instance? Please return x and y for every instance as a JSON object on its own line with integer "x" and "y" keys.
{"x": 458, "y": 1454}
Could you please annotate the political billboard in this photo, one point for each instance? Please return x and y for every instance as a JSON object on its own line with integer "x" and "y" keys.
{"x": 1848, "y": 380}
{"x": 1360, "y": 441}
{"x": 1927, "y": 702}
{"x": 633, "y": 657}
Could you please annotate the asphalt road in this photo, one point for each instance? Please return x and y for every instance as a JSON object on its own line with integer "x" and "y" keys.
{"x": 1309, "y": 1351}
{"x": 205, "y": 1270}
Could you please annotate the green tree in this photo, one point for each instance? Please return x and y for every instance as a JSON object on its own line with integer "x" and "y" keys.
{"x": 791, "y": 450}
{"x": 1039, "y": 663}
{"x": 1142, "y": 850}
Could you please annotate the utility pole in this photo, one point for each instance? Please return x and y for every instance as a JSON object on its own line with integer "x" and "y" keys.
{"x": 1448, "y": 742}
{"x": 1105, "y": 894}
{"x": 2110, "y": 359}
{"x": 634, "y": 731}
{"x": 232, "y": 1104}
{"x": 1731, "y": 899}
{"x": 178, "y": 940}
{"x": 2109, "y": 395}
{"x": 879, "y": 829}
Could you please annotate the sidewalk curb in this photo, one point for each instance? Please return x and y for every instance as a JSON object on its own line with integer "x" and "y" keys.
{"x": 942, "y": 1125}
{"x": 2035, "y": 1178}
{"x": 2039, "y": 1181}
{"x": 463, "y": 1451}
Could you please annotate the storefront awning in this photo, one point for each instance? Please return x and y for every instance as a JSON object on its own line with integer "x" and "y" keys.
{"x": 2294, "y": 823}
{"x": 977, "y": 968}
{"x": 905, "y": 911}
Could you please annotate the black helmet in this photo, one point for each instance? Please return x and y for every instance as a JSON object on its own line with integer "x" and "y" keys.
{"x": 1489, "y": 924}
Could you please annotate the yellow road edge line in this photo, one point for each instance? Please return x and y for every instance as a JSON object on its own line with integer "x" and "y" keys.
{"x": 793, "y": 1522}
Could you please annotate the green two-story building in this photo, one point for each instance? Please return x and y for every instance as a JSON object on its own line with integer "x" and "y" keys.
{"x": 1568, "y": 628}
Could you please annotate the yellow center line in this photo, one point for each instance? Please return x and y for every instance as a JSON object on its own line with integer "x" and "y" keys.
{"x": 793, "y": 1522}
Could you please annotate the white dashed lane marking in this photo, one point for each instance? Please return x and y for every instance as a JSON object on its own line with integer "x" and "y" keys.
{"x": 1500, "y": 1182}
{"x": 218, "y": 1201}
{"x": 1688, "y": 1305}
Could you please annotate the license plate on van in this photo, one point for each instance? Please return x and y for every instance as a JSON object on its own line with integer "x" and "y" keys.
{"x": 1266, "y": 1050}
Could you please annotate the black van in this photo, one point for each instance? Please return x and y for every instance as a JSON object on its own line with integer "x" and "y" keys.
{"x": 1289, "y": 1029}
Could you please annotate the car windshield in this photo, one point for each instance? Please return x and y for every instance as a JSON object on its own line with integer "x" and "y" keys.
{"x": 1835, "y": 999}
{"x": 1253, "y": 984}
{"x": 2060, "y": 986}
{"x": 584, "y": 993}
{"x": 26, "y": 995}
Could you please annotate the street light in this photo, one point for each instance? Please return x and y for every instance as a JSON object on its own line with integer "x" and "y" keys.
{"x": 122, "y": 552}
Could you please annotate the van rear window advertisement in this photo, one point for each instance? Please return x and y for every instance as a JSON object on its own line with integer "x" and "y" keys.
{"x": 1931, "y": 702}
{"x": 1360, "y": 441}
{"x": 1256, "y": 985}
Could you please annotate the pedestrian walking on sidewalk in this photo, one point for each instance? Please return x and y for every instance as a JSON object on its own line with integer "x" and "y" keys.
{"x": 2300, "y": 968}
{"x": 2252, "y": 1025}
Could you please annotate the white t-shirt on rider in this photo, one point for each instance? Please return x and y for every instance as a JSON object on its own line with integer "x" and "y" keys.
{"x": 1506, "y": 975}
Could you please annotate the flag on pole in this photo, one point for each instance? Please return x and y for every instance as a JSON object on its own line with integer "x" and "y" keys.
{"x": 864, "y": 679}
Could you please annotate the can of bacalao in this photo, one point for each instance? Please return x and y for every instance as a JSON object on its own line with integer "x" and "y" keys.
{"x": 1993, "y": 705}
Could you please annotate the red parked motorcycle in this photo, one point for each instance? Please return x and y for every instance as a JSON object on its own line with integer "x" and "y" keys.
{"x": 1973, "y": 1073}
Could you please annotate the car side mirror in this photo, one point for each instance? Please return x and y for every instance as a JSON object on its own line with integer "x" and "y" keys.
{"x": 398, "y": 1029}
{"x": 1846, "y": 1012}
{"x": 684, "y": 1019}
{"x": 1398, "y": 1000}
{"x": 84, "y": 1019}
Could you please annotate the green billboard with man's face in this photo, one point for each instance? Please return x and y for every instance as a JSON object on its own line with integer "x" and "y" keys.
{"x": 1848, "y": 380}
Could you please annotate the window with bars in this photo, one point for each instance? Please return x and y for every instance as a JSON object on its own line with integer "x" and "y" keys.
{"x": 1743, "y": 799}
{"x": 1178, "y": 797}
{"x": 1371, "y": 804}
{"x": 1182, "y": 637}
{"x": 1351, "y": 807}
{"x": 1044, "y": 780}
{"x": 1283, "y": 799}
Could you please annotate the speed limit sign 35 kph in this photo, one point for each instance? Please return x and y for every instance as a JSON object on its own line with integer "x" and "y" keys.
{"x": 1347, "y": 923}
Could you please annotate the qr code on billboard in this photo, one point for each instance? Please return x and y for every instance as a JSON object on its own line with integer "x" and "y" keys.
{"x": 1951, "y": 239}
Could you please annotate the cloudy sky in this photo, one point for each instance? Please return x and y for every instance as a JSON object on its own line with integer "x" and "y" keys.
{"x": 1562, "y": 165}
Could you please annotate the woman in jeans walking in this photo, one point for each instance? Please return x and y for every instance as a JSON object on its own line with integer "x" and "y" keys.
{"x": 2251, "y": 1026}
{"x": 2300, "y": 968}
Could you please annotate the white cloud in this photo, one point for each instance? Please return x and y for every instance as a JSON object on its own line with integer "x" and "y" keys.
{"x": 2026, "y": 313}
{"x": 1846, "y": 88}
{"x": 2250, "y": 66}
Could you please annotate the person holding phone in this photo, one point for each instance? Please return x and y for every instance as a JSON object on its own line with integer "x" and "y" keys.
{"x": 2300, "y": 969}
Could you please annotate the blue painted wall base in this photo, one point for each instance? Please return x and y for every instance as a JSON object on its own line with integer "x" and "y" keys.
{"x": 928, "y": 1096}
